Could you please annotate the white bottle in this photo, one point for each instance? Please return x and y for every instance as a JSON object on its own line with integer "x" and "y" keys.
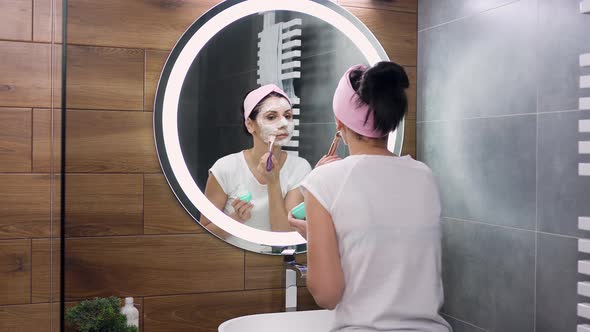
{"x": 130, "y": 312}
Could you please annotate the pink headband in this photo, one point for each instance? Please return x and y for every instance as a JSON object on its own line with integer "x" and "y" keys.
{"x": 348, "y": 111}
{"x": 254, "y": 97}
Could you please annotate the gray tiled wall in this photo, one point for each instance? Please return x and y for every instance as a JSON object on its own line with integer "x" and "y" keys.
{"x": 497, "y": 123}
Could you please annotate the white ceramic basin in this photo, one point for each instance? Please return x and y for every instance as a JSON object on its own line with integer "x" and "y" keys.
{"x": 297, "y": 321}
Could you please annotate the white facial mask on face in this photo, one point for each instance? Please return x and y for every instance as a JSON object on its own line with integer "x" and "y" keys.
{"x": 282, "y": 126}
{"x": 290, "y": 127}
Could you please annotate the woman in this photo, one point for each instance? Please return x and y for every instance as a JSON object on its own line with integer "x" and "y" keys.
{"x": 372, "y": 224}
{"x": 267, "y": 113}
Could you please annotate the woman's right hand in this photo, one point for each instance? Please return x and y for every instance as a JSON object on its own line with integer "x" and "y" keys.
{"x": 326, "y": 160}
{"x": 242, "y": 210}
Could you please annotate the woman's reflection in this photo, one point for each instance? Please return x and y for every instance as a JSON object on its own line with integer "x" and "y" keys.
{"x": 243, "y": 184}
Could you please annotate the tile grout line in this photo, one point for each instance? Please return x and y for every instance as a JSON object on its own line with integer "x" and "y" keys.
{"x": 401, "y": 11}
{"x": 500, "y": 116}
{"x": 144, "y": 79}
{"x": 489, "y": 224}
{"x": 467, "y": 16}
{"x": 31, "y": 274}
{"x": 464, "y": 322}
{"x": 510, "y": 227}
{"x": 559, "y": 235}
{"x": 32, "y": 139}
{"x": 537, "y": 124}
{"x": 142, "y": 204}
{"x": 52, "y": 165}
{"x": 32, "y": 20}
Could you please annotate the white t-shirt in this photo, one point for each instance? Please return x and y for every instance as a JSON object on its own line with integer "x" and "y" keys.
{"x": 386, "y": 212}
{"x": 235, "y": 178}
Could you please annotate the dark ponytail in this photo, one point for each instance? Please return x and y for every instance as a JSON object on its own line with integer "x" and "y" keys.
{"x": 382, "y": 87}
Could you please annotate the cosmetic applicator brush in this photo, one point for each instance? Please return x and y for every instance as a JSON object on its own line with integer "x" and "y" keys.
{"x": 271, "y": 141}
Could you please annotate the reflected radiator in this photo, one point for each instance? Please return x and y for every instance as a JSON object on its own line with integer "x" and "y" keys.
{"x": 279, "y": 51}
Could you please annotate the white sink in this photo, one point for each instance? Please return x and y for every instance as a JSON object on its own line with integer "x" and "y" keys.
{"x": 296, "y": 321}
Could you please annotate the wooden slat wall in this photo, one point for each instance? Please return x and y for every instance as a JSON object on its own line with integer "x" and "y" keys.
{"x": 15, "y": 139}
{"x": 28, "y": 258}
{"x": 128, "y": 236}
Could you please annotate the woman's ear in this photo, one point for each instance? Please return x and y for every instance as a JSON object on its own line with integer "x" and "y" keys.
{"x": 250, "y": 125}
{"x": 339, "y": 125}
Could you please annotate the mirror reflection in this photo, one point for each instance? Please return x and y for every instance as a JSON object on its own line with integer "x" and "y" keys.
{"x": 226, "y": 121}
{"x": 258, "y": 185}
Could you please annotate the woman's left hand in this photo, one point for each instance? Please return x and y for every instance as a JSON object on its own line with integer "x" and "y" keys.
{"x": 273, "y": 175}
{"x": 299, "y": 225}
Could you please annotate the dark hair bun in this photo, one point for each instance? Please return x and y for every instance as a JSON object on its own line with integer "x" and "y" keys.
{"x": 382, "y": 76}
{"x": 382, "y": 88}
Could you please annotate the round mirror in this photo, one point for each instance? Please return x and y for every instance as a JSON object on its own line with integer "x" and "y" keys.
{"x": 301, "y": 46}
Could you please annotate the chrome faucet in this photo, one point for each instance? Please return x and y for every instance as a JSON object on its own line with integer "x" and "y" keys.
{"x": 293, "y": 272}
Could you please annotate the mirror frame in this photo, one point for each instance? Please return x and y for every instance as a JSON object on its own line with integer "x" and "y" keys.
{"x": 168, "y": 96}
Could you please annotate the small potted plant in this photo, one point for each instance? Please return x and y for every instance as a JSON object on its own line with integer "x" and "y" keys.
{"x": 98, "y": 315}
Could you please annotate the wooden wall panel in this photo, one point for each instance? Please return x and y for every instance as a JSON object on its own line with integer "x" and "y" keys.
{"x": 42, "y": 22}
{"x": 264, "y": 271}
{"x": 16, "y": 20}
{"x": 410, "y": 6}
{"x": 151, "y": 265}
{"x": 24, "y": 205}
{"x": 104, "y": 204}
{"x": 411, "y": 91}
{"x": 396, "y": 31}
{"x": 42, "y": 126}
{"x": 139, "y": 304}
{"x": 110, "y": 142}
{"x": 26, "y": 74}
{"x": 153, "y": 68}
{"x": 15, "y": 271}
{"x": 27, "y": 318}
{"x": 155, "y": 24}
{"x": 45, "y": 270}
{"x": 105, "y": 78}
{"x": 409, "y": 146}
{"x": 204, "y": 312}
{"x": 56, "y": 206}
{"x": 15, "y": 140}
{"x": 41, "y": 262}
{"x": 46, "y": 141}
{"x": 163, "y": 214}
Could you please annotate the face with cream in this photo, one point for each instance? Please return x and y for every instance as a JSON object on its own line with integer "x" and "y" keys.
{"x": 271, "y": 112}
{"x": 275, "y": 118}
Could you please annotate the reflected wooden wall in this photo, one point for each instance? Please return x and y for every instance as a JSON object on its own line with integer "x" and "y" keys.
{"x": 127, "y": 235}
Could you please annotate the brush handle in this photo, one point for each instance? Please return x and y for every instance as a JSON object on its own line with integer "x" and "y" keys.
{"x": 334, "y": 145}
{"x": 269, "y": 162}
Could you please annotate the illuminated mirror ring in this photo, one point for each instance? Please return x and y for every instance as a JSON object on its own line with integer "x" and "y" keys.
{"x": 172, "y": 79}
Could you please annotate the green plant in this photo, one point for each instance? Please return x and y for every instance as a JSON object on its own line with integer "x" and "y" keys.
{"x": 98, "y": 315}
